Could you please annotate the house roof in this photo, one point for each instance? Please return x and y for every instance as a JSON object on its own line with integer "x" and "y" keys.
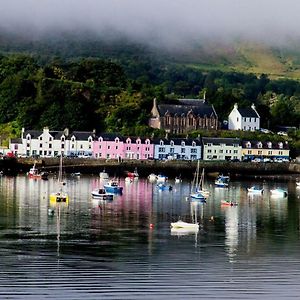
{"x": 248, "y": 112}
{"x": 16, "y": 141}
{"x": 201, "y": 110}
{"x": 79, "y": 135}
{"x": 218, "y": 141}
{"x": 178, "y": 141}
{"x": 110, "y": 136}
{"x": 265, "y": 145}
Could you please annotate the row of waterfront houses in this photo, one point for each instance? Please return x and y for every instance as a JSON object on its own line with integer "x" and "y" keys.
{"x": 46, "y": 143}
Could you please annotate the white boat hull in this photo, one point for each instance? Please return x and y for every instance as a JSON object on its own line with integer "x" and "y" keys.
{"x": 181, "y": 224}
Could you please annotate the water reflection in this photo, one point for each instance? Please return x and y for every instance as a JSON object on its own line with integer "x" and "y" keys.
{"x": 129, "y": 241}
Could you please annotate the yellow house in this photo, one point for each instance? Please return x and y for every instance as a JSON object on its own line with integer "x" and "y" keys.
{"x": 263, "y": 150}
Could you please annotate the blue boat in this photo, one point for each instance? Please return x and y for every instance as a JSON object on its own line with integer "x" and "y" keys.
{"x": 222, "y": 181}
{"x": 197, "y": 196}
{"x": 112, "y": 186}
{"x": 161, "y": 186}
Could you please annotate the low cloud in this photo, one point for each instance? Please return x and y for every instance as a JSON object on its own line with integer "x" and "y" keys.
{"x": 171, "y": 22}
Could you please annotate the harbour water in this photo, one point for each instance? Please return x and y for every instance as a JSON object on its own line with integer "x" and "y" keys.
{"x": 125, "y": 249}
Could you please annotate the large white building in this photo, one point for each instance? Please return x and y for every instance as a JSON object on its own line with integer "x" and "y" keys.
{"x": 221, "y": 148}
{"x": 246, "y": 119}
{"x": 48, "y": 143}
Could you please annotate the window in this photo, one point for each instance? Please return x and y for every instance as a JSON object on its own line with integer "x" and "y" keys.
{"x": 259, "y": 145}
{"x": 50, "y": 145}
{"x": 259, "y": 152}
{"x": 161, "y": 143}
{"x": 100, "y": 146}
{"x": 117, "y": 147}
{"x": 161, "y": 149}
{"x": 63, "y": 138}
{"x": 81, "y": 146}
{"x": 72, "y": 146}
{"x": 209, "y": 144}
{"x": 62, "y": 146}
{"x": 172, "y": 144}
{"x": 50, "y": 138}
{"x": 270, "y": 152}
{"x": 182, "y": 144}
{"x": 41, "y": 145}
{"x": 209, "y": 151}
{"x": 249, "y": 152}
{"x": 40, "y": 138}
{"x": 172, "y": 150}
{"x": 193, "y": 150}
{"x": 193, "y": 144}
{"x": 183, "y": 150}
{"x": 221, "y": 151}
{"x": 108, "y": 147}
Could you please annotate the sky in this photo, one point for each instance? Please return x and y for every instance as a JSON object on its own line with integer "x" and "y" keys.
{"x": 170, "y": 21}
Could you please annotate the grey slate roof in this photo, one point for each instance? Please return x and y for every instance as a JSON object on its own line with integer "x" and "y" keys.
{"x": 248, "y": 113}
{"x": 16, "y": 141}
{"x": 177, "y": 141}
{"x": 201, "y": 110}
{"x": 275, "y": 145}
{"x": 218, "y": 141}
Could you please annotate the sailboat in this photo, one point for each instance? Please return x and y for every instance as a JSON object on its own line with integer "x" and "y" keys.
{"x": 196, "y": 190}
{"x": 60, "y": 195}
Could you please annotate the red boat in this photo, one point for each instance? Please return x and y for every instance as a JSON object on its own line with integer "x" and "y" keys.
{"x": 228, "y": 203}
{"x": 36, "y": 174}
{"x": 132, "y": 174}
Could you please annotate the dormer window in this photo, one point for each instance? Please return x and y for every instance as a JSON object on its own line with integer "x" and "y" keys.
{"x": 147, "y": 142}
{"x": 138, "y": 141}
{"x": 128, "y": 141}
{"x": 161, "y": 143}
{"x": 171, "y": 143}
{"x": 90, "y": 139}
{"x": 183, "y": 144}
{"x": 117, "y": 140}
{"x": 248, "y": 145}
{"x": 269, "y": 145}
{"x": 50, "y": 138}
{"x": 193, "y": 144}
{"x": 63, "y": 138}
{"x": 28, "y": 137}
{"x": 73, "y": 139}
{"x": 259, "y": 145}
{"x": 100, "y": 139}
{"x": 280, "y": 145}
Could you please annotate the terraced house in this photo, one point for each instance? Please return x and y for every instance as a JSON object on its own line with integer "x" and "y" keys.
{"x": 113, "y": 146}
{"x": 46, "y": 143}
{"x": 265, "y": 150}
{"x": 222, "y": 148}
{"x": 176, "y": 148}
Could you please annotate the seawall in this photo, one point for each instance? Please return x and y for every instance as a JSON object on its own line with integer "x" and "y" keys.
{"x": 171, "y": 168}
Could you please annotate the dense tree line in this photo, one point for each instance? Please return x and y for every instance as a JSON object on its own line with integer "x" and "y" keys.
{"x": 106, "y": 95}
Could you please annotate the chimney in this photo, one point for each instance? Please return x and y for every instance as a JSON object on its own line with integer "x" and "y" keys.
{"x": 66, "y": 131}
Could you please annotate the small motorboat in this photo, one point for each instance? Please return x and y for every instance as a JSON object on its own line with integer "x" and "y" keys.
{"x": 255, "y": 190}
{"x": 161, "y": 186}
{"x": 152, "y": 177}
{"x": 184, "y": 231}
{"x": 35, "y": 173}
{"x": 197, "y": 196}
{"x": 181, "y": 224}
{"x": 104, "y": 175}
{"x": 161, "y": 178}
{"x": 278, "y": 192}
{"x": 112, "y": 186}
{"x": 101, "y": 194}
{"x": 76, "y": 174}
{"x": 228, "y": 203}
{"x": 134, "y": 174}
{"x": 178, "y": 179}
{"x": 222, "y": 181}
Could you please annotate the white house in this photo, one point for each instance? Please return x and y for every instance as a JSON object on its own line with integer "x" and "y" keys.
{"x": 246, "y": 119}
{"x": 176, "y": 148}
{"x": 221, "y": 148}
{"x": 48, "y": 143}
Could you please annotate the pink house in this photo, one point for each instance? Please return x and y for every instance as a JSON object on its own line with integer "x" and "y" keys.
{"x": 112, "y": 146}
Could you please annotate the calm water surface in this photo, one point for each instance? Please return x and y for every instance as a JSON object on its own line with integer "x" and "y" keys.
{"x": 107, "y": 250}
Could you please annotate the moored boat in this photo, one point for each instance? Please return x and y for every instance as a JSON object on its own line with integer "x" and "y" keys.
{"x": 112, "y": 186}
{"x": 102, "y": 194}
{"x": 161, "y": 178}
{"x": 222, "y": 181}
{"x": 278, "y": 192}
{"x": 152, "y": 177}
{"x": 255, "y": 190}
{"x": 162, "y": 186}
{"x": 228, "y": 203}
{"x": 104, "y": 175}
{"x": 181, "y": 224}
{"x": 35, "y": 173}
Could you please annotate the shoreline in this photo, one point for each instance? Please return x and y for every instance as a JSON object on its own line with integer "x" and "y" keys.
{"x": 185, "y": 169}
